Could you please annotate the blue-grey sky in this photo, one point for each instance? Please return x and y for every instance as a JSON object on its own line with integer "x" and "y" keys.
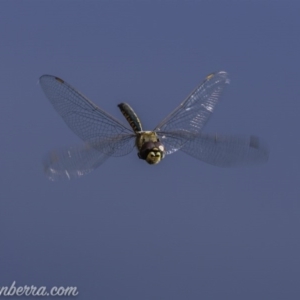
{"x": 179, "y": 230}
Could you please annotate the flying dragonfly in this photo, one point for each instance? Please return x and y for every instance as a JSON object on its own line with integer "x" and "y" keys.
{"x": 104, "y": 136}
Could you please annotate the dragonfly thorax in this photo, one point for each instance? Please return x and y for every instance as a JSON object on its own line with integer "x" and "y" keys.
{"x": 147, "y": 142}
{"x": 149, "y": 147}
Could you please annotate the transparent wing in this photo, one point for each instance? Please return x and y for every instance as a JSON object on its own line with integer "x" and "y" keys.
{"x": 84, "y": 118}
{"x": 174, "y": 140}
{"x": 72, "y": 162}
{"x": 193, "y": 113}
{"x": 227, "y": 151}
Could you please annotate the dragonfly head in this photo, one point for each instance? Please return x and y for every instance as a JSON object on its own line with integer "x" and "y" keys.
{"x": 154, "y": 157}
{"x": 152, "y": 152}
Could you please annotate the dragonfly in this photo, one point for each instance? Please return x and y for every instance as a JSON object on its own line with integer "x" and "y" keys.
{"x": 104, "y": 136}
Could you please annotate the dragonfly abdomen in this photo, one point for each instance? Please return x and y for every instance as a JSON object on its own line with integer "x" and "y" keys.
{"x": 131, "y": 117}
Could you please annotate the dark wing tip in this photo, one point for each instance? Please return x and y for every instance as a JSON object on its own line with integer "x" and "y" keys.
{"x": 260, "y": 145}
{"x": 254, "y": 142}
{"x": 221, "y": 74}
{"x": 59, "y": 79}
{"x": 51, "y": 76}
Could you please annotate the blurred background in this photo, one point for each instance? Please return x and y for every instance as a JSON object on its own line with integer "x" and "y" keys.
{"x": 179, "y": 230}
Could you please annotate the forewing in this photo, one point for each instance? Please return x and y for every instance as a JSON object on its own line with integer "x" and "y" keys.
{"x": 227, "y": 151}
{"x": 72, "y": 162}
{"x": 193, "y": 113}
{"x": 84, "y": 118}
